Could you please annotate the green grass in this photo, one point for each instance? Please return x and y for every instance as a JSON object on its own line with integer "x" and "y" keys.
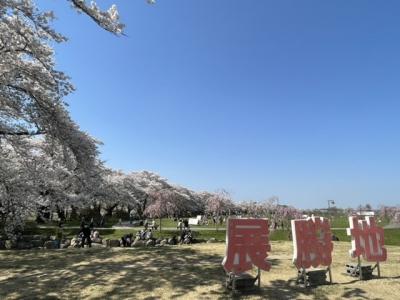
{"x": 392, "y": 236}
{"x": 167, "y": 222}
{"x": 342, "y": 221}
{"x": 177, "y": 272}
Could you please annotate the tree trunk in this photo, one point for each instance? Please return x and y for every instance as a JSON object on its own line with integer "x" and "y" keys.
{"x": 110, "y": 210}
{"x": 60, "y": 213}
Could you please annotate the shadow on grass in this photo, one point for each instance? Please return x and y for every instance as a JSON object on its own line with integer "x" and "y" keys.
{"x": 357, "y": 293}
{"x": 128, "y": 274}
{"x": 39, "y": 274}
{"x": 276, "y": 289}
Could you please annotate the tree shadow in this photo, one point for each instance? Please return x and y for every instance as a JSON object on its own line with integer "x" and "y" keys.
{"x": 131, "y": 273}
{"x": 41, "y": 273}
{"x": 351, "y": 293}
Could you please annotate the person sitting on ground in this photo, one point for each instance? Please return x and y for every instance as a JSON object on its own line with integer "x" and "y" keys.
{"x": 149, "y": 235}
{"x": 127, "y": 240}
{"x": 172, "y": 241}
{"x": 335, "y": 238}
{"x": 188, "y": 237}
{"x": 143, "y": 234}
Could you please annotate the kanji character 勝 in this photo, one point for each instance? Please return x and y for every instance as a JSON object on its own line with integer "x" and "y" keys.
{"x": 312, "y": 241}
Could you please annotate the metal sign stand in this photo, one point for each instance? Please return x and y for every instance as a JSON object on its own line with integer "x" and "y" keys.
{"x": 363, "y": 272}
{"x": 309, "y": 278}
{"x": 243, "y": 281}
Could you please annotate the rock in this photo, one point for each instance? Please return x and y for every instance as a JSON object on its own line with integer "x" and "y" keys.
{"x": 37, "y": 243}
{"x": 96, "y": 235}
{"x": 150, "y": 243}
{"x": 51, "y": 245}
{"x": 74, "y": 243}
{"x": 105, "y": 242}
{"x": 10, "y": 244}
{"x": 172, "y": 241}
{"x": 97, "y": 240}
{"x": 163, "y": 242}
{"x": 113, "y": 243}
{"x": 158, "y": 241}
{"x": 138, "y": 243}
{"x": 211, "y": 240}
{"x": 67, "y": 242}
{"x": 64, "y": 246}
{"x": 23, "y": 245}
{"x": 97, "y": 245}
{"x": 30, "y": 241}
{"x": 28, "y": 238}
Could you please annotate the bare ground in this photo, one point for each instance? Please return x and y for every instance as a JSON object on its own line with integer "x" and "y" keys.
{"x": 181, "y": 272}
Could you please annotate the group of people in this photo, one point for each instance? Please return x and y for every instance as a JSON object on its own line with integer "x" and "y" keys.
{"x": 182, "y": 224}
{"x": 186, "y": 236}
{"x": 144, "y": 235}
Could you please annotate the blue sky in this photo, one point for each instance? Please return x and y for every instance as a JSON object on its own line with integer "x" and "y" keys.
{"x": 298, "y": 99}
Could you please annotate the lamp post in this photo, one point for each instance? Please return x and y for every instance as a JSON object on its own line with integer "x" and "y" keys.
{"x": 330, "y": 202}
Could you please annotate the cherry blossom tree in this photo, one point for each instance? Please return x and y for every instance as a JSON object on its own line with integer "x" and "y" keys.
{"x": 392, "y": 213}
{"x": 163, "y": 205}
{"x": 218, "y": 204}
{"x": 32, "y": 109}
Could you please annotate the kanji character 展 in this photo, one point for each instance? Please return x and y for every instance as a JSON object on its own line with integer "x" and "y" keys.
{"x": 247, "y": 245}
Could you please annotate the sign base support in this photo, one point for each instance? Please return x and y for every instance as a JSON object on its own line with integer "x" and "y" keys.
{"x": 242, "y": 281}
{"x": 314, "y": 277}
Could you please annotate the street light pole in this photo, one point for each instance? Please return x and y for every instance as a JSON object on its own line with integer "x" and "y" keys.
{"x": 330, "y": 202}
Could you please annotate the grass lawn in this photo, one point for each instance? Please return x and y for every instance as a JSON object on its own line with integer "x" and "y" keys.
{"x": 392, "y": 235}
{"x": 342, "y": 221}
{"x": 181, "y": 272}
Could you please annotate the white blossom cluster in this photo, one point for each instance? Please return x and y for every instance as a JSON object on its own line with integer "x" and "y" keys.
{"x": 109, "y": 20}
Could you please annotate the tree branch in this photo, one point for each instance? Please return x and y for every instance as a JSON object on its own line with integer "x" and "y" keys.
{"x": 22, "y": 133}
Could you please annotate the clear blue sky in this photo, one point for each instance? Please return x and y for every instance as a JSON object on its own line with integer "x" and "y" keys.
{"x": 298, "y": 99}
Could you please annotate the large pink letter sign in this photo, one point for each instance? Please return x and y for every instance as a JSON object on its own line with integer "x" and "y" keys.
{"x": 367, "y": 239}
{"x": 246, "y": 244}
{"x": 312, "y": 242}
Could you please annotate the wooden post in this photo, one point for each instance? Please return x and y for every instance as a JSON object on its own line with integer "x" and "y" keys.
{"x": 258, "y": 276}
{"x": 234, "y": 283}
{"x": 304, "y": 274}
{"x": 330, "y": 274}
{"x": 359, "y": 267}
{"x": 379, "y": 269}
